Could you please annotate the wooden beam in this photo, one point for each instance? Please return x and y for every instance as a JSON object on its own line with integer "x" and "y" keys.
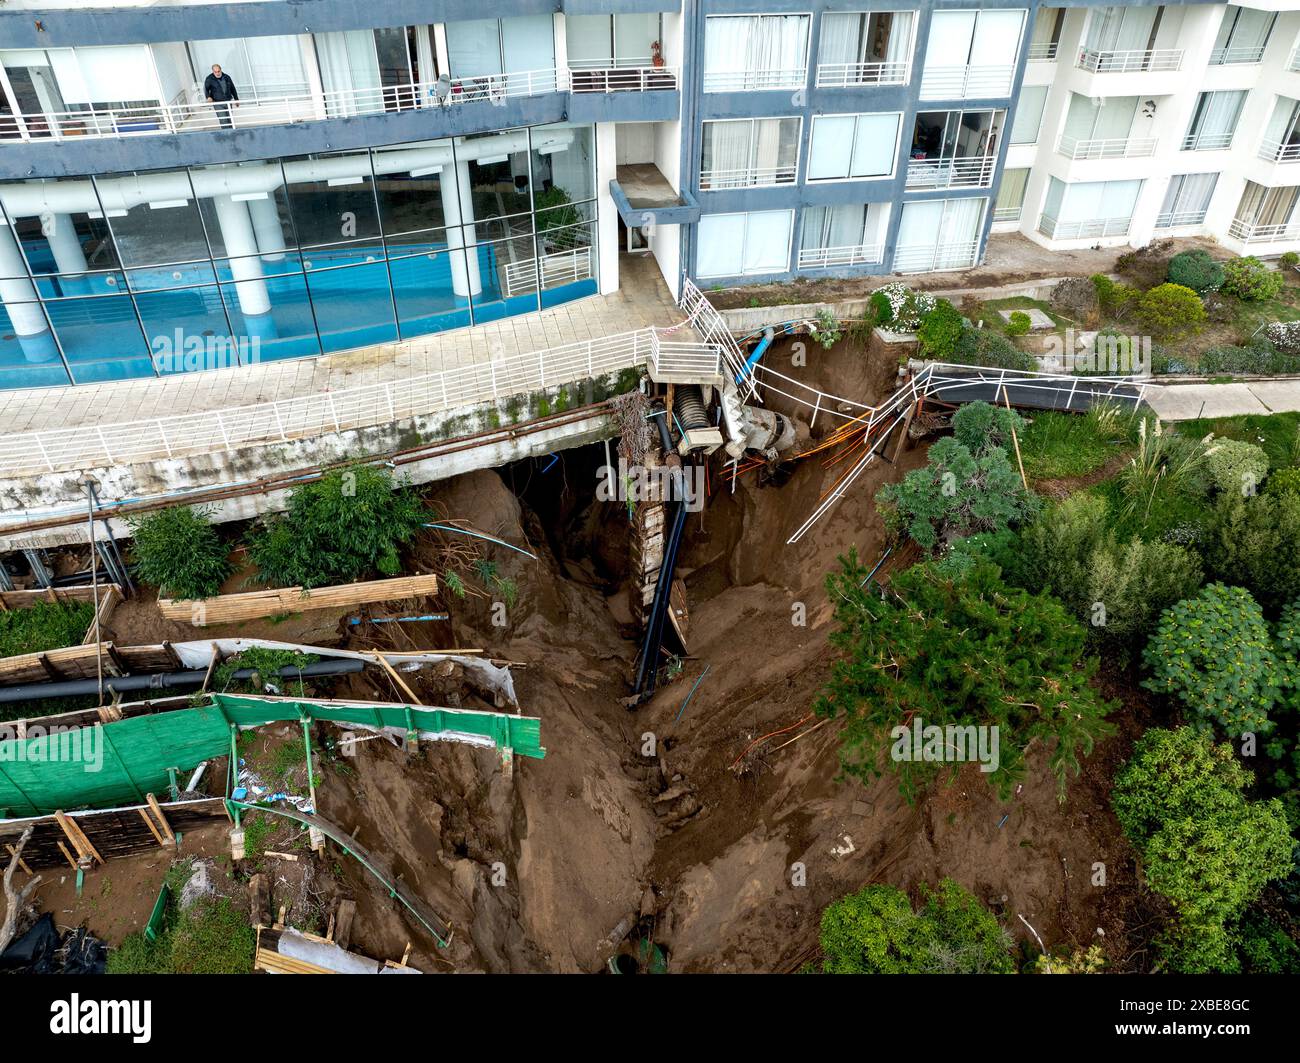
{"x": 162, "y": 820}
{"x": 148, "y": 822}
{"x": 68, "y": 856}
{"x": 77, "y": 836}
{"x": 21, "y": 862}
{"x": 401, "y": 683}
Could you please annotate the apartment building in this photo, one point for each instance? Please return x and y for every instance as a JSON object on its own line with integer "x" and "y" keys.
{"x": 382, "y": 177}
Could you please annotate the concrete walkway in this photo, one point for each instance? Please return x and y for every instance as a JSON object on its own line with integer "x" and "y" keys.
{"x": 642, "y": 301}
{"x": 1189, "y": 402}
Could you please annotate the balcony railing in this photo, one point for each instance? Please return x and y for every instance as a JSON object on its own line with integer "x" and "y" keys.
{"x": 1276, "y": 151}
{"x": 831, "y": 257}
{"x": 1260, "y": 234}
{"x": 951, "y": 173}
{"x": 1007, "y": 213}
{"x": 189, "y": 113}
{"x": 562, "y": 267}
{"x": 753, "y": 80}
{"x": 747, "y": 177}
{"x": 1208, "y": 141}
{"x": 842, "y": 75}
{"x": 923, "y": 258}
{"x": 1294, "y": 62}
{"x": 1130, "y": 62}
{"x": 1113, "y": 148}
{"x": 1174, "y": 219}
{"x": 1236, "y": 56}
{"x": 1043, "y": 53}
{"x": 1078, "y": 230}
{"x": 966, "y": 82}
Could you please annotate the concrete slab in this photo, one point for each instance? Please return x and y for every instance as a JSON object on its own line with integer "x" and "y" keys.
{"x": 1037, "y": 319}
{"x": 1188, "y": 402}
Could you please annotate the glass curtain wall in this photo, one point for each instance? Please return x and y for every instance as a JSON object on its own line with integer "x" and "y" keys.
{"x": 163, "y": 271}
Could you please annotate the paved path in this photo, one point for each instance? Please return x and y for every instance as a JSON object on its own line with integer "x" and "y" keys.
{"x": 1188, "y": 402}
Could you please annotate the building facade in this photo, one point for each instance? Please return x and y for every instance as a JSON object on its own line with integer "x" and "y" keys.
{"x": 381, "y": 177}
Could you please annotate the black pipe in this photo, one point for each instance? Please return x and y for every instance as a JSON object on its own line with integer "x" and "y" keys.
{"x": 648, "y": 671}
{"x": 74, "y": 687}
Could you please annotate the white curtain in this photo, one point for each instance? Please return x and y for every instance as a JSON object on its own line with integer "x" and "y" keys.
{"x": 588, "y": 40}
{"x": 633, "y": 35}
{"x": 841, "y": 39}
{"x": 919, "y": 224}
{"x": 767, "y": 241}
{"x": 772, "y": 46}
{"x": 996, "y": 40}
{"x": 1189, "y": 193}
{"x": 474, "y": 48}
{"x": 426, "y": 65}
{"x": 899, "y": 47}
{"x": 830, "y": 154}
{"x": 528, "y": 43}
{"x": 349, "y": 70}
{"x": 721, "y": 245}
{"x": 112, "y": 74}
{"x": 1099, "y": 201}
{"x": 727, "y": 152}
{"x": 276, "y": 65}
{"x": 1216, "y": 116}
{"x": 726, "y": 41}
{"x": 1011, "y": 193}
{"x": 959, "y": 233}
{"x": 950, "y": 39}
{"x": 875, "y": 145}
{"x": 1244, "y": 28}
{"x": 227, "y": 54}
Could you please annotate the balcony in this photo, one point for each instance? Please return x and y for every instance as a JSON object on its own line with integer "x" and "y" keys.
{"x": 924, "y": 258}
{"x": 1275, "y": 151}
{"x": 1130, "y": 62}
{"x": 1007, "y": 213}
{"x": 834, "y": 257}
{"x": 1113, "y": 148}
{"x": 648, "y": 78}
{"x": 930, "y": 174}
{"x": 1237, "y": 56}
{"x": 1208, "y": 141}
{"x": 1043, "y": 53}
{"x": 1177, "y": 218}
{"x": 847, "y": 75}
{"x": 1293, "y": 64}
{"x": 1251, "y": 233}
{"x": 755, "y": 80}
{"x": 749, "y": 177}
{"x": 1080, "y": 230}
{"x": 966, "y": 82}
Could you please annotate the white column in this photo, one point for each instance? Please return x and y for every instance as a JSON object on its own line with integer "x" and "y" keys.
{"x": 458, "y": 209}
{"x": 65, "y": 245}
{"x": 266, "y": 225}
{"x": 19, "y": 298}
{"x": 241, "y": 247}
{"x": 606, "y": 212}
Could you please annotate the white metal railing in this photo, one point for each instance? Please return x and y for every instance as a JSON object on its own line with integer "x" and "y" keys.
{"x": 849, "y": 255}
{"x": 209, "y": 431}
{"x": 1276, "y": 151}
{"x": 1232, "y": 56}
{"x": 1130, "y": 62}
{"x": 966, "y": 82}
{"x": 748, "y": 177}
{"x": 951, "y": 173}
{"x": 678, "y": 358}
{"x": 1078, "y": 230}
{"x": 1258, "y": 234}
{"x": 1172, "y": 219}
{"x": 647, "y": 78}
{"x": 923, "y": 258}
{"x": 1208, "y": 141}
{"x": 562, "y": 267}
{"x": 842, "y": 75}
{"x": 1109, "y": 148}
{"x": 749, "y": 80}
{"x": 1007, "y": 213}
{"x": 705, "y": 319}
{"x": 1294, "y": 62}
{"x": 1043, "y": 53}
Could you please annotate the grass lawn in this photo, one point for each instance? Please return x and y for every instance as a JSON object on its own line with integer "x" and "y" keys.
{"x": 44, "y": 626}
{"x": 1058, "y": 446}
{"x": 1278, "y": 434}
{"x": 1285, "y": 306}
{"x": 990, "y": 312}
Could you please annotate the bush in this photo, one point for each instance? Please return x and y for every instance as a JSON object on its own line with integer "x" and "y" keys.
{"x": 1285, "y": 337}
{"x": 956, "y": 652}
{"x": 1235, "y": 465}
{"x": 1205, "y": 847}
{"x": 178, "y": 551}
{"x": 875, "y": 931}
{"x": 1253, "y": 543}
{"x": 1171, "y": 311}
{"x": 44, "y": 626}
{"x": 1262, "y": 359}
{"x": 1076, "y": 298}
{"x": 1288, "y": 260}
{"x": 1114, "y": 298}
{"x": 344, "y": 527}
{"x": 991, "y": 350}
{"x": 940, "y": 332}
{"x": 1195, "y": 270}
{"x": 210, "y": 937}
{"x": 1018, "y": 323}
{"x": 1283, "y": 482}
{"x": 1147, "y": 266}
{"x": 1215, "y": 654}
{"x": 981, "y": 427}
{"x": 1058, "y": 445}
{"x": 955, "y": 495}
{"x": 899, "y": 308}
{"x": 1250, "y": 280}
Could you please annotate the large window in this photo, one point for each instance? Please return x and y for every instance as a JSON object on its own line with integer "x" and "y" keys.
{"x": 1265, "y": 214}
{"x": 747, "y": 52}
{"x": 733, "y": 245}
{"x": 1123, "y": 39}
{"x": 1214, "y": 121}
{"x": 1187, "y": 200}
{"x": 1011, "y": 195}
{"x": 597, "y": 41}
{"x": 848, "y": 147}
{"x": 511, "y": 51}
{"x": 261, "y": 67}
{"x": 1243, "y": 36}
{"x": 1102, "y": 128}
{"x": 939, "y": 234}
{"x": 1282, "y": 135}
{"x": 1088, "y": 209}
{"x": 1029, "y": 114}
{"x": 954, "y": 149}
{"x": 1046, "y": 39}
{"x": 109, "y": 277}
{"x": 746, "y": 152}
{"x": 847, "y": 234}
{"x": 865, "y": 48}
{"x": 971, "y": 54}
{"x": 84, "y": 90}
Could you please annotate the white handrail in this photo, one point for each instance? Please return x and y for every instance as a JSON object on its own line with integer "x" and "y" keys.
{"x": 848, "y": 255}
{"x": 1107, "y": 148}
{"x": 974, "y": 172}
{"x": 747, "y": 177}
{"x": 1130, "y": 61}
{"x": 645, "y": 78}
{"x": 748, "y": 80}
{"x": 843, "y": 75}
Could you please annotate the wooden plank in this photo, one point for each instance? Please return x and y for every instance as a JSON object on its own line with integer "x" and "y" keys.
{"x": 21, "y": 862}
{"x": 71, "y": 862}
{"x": 252, "y": 605}
{"x": 152, "y": 829}
{"x": 401, "y": 683}
{"x": 75, "y": 835}
{"x": 162, "y": 819}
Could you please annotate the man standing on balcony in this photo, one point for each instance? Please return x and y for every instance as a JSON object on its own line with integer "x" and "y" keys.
{"x": 221, "y": 93}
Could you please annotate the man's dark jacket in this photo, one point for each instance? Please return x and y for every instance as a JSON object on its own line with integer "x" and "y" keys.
{"x": 219, "y": 89}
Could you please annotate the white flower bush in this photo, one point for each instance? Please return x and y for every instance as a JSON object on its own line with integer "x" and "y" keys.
{"x": 907, "y": 308}
{"x": 1284, "y": 335}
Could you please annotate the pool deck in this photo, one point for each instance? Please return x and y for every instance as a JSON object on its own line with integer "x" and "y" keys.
{"x": 642, "y": 301}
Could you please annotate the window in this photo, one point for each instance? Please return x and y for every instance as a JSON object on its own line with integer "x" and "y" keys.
{"x": 1011, "y": 195}
{"x": 971, "y": 54}
{"x": 1265, "y": 213}
{"x": 861, "y": 48}
{"x": 939, "y": 234}
{"x": 750, "y": 151}
{"x": 848, "y": 234}
{"x": 1046, "y": 38}
{"x": 265, "y": 67}
{"x": 1186, "y": 200}
{"x": 1101, "y": 128}
{"x": 733, "y": 245}
{"x": 853, "y": 146}
{"x": 596, "y": 41}
{"x": 1282, "y": 135}
{"x": 1029, "y": 114}
{"x": 1214, "y": 121}
{"x": 954, "y": 149}
{"x": 1088, "y": 209}
{"x": 1123, "y": 39}
{"x": 747, "y": 52}
{"x": 484, "y": 48}
{"x": 1243, "y": 36}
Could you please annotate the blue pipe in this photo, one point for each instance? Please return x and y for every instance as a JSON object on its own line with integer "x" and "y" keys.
{"x": 757, "y": 353}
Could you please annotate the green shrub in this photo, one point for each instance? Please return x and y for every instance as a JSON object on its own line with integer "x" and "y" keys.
{"x": 981, "y": 427}
{"x": 1196, "y": 270}
{"x": 1058, "y": 445}
{"x": 44, "y": 626}
{"x": 1283, "y": 482}
{"x": 343, "y": 527}
{"x": 1171, "y": 311}
{"x": 1113, "y": 297}
{"x": 1214, "y": 653}
{"x": 1288, "y": 260}
{"x": 1262, "y": 359}
{"x": 1234, "y": 465}
{"x": 827, "y": 329}
{"x": 956, "y": 494}
{"x": 956, "y": 652}
{"x": 940, "y": 332}
{"x": 875, "y": 931}
{"x": 991, "y": 350}
{"x": 178, "y": 551}
{"x": 1253, "y": 542}
{"x": 1181, "y": 804}
{"x": 1018, "y": 323}
{"x": 1250, "y": 280}
{"x": 1165, "y": 466}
